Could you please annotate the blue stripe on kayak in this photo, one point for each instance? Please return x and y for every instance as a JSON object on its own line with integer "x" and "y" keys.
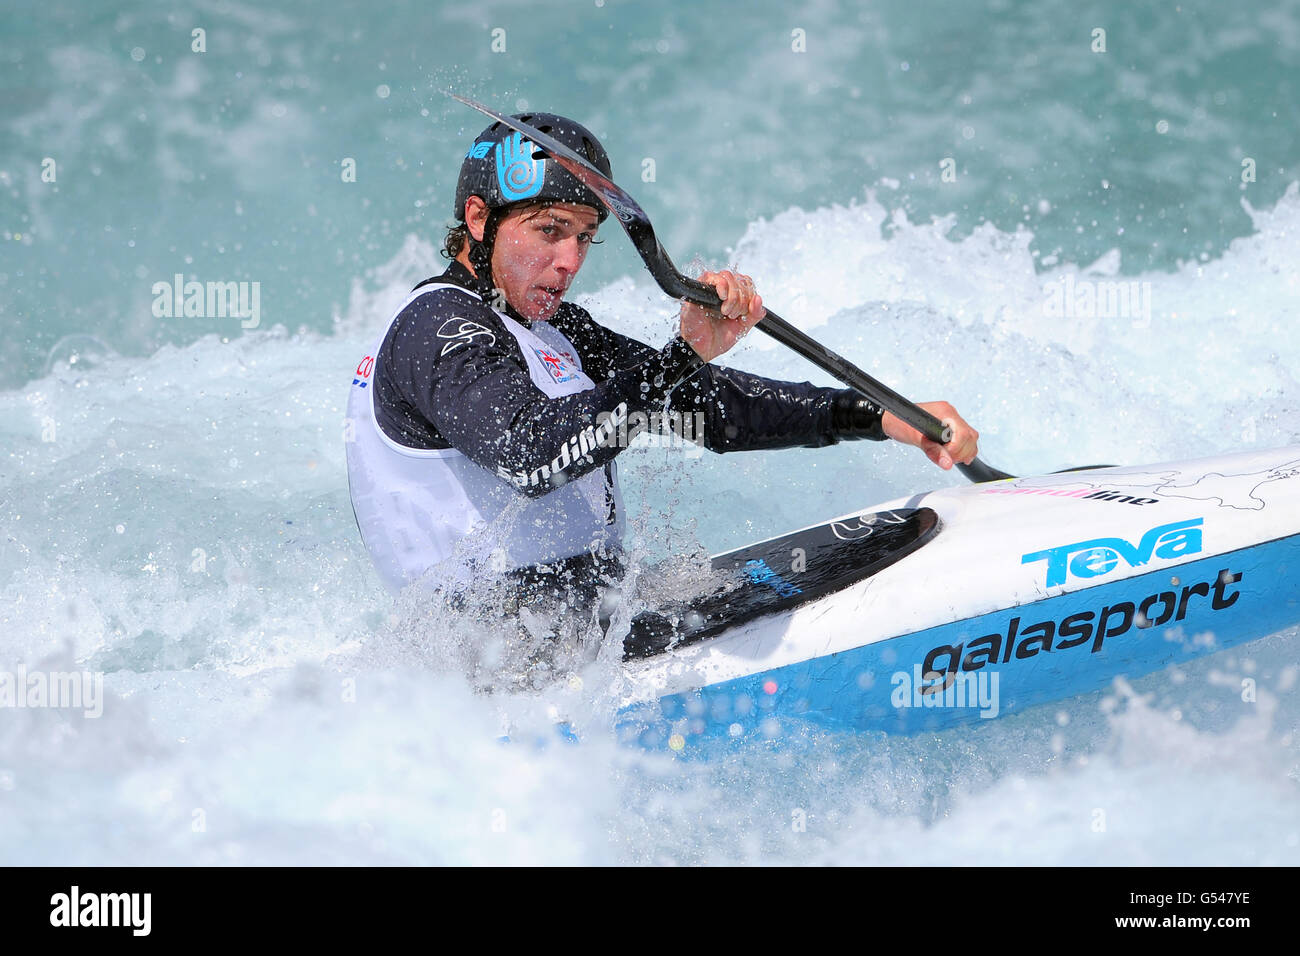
{"x": 875, "y": 687}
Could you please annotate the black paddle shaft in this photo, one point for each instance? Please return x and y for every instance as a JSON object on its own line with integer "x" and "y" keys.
{"x": 848, "y": 373}
{"x": 660, "y": 264}
{"x": 824, "y": 358}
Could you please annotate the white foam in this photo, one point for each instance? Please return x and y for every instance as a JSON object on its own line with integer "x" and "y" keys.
{"x": 235, "y": 603}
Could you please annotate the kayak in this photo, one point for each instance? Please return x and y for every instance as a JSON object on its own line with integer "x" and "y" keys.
{"x": 974, "y": 602}
{"x": 960, "y": 604}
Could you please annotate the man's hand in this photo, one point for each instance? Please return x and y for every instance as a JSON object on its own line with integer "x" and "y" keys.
{"x": 712, "y": 332}
{"x": 965, "y": 440}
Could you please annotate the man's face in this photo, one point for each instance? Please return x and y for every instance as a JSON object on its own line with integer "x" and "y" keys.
{"x": 537, "y": 255}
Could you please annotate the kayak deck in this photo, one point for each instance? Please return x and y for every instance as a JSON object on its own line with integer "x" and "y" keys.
{"x": 1038, "y": 589}
{"x": 782, "y": 573}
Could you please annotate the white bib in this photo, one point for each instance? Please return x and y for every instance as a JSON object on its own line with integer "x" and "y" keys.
{"x": 421, "y": 509}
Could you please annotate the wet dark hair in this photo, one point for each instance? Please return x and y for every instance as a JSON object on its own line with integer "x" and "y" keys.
{"x": 457, "y": 236}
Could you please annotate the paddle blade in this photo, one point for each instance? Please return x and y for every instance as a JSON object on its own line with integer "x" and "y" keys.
{"x": 609, "y": 192}
{"x": 660, "y": 265}
{"x": 977, "y": 472}
{"x": 616, "y": 199}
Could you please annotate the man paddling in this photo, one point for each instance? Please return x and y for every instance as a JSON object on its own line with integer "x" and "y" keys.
{"x": 486, "y": 421}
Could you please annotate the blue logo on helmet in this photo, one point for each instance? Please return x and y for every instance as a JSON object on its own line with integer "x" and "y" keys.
{"x": 479, "y": 150}
{"x": 519, "y": 175}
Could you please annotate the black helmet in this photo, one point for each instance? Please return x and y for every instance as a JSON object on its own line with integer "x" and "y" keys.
{"x": 504, "y": 166}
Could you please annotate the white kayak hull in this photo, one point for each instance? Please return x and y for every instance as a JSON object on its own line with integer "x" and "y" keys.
{"x": 1034, "y": 589}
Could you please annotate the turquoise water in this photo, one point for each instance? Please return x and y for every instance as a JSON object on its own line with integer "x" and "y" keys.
{"x": 172, "y": 488}
{"x": 226, "y": 165}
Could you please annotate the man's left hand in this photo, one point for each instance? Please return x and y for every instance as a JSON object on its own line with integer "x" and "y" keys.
{"x": 965, "y": 440}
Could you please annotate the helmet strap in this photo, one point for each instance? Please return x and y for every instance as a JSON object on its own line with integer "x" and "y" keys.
{"x": 480, "y": 252}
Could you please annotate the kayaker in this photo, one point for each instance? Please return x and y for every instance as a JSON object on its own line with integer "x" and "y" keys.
{"x": 485, "y": 422}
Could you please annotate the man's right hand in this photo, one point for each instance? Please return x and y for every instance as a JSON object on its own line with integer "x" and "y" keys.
{"x": 711, "y": 332}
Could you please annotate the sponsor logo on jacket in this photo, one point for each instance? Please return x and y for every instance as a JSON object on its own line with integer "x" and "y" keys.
{"x": 459, "y": 331}
{"x": 555, "y": 366}
{"x": 362, "y": 375}
{"x": 576, "y": 449}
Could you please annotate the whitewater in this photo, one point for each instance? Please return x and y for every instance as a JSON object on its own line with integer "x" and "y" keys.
{"x": 180, "y": 523}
